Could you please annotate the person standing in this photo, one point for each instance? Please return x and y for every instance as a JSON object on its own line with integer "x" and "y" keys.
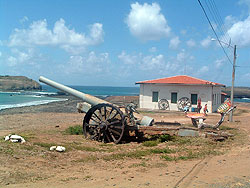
{"x": 205, "y": 110}
{"x": 199, "y": 105}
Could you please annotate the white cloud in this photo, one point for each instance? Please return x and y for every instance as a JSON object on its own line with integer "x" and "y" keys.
{"x": 22, "y": 57}
{"x": 206, "y": 42}
{"x": 174, "y": 43}
{"x": 38, "y": 33}
{"x": 215, "y": 26}
{"x": 245, "y": 2}
{"x": 143, "y": 62}
{"x": 152, "y": 62}
{"x": 129, "y": 59}
{"x": 12, "y": 61}
{"x": 229, "y": 21}
{"x": 183, "y": 32}
{"x": 204, "y": 69}
{"x": 191, "y": 43}
{"x": 0, "y": 54}
{"x": 239, "y": 32}
{"x": 246, "y": 76}
{"x": 153, "y": 49}
{"x": 219, "y": 62}
{"x": 183, "y": 56}
{"x": 24, "y": 19}
{"x": 88, "y": 64}
{"x": 146, "y": 22}
{"x": 157, "y": 65}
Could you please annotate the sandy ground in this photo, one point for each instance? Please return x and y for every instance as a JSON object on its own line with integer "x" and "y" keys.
{"x": 38, "y": 167}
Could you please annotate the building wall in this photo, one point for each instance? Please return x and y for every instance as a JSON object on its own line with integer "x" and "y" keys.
{"x": 216, "y": 98}
{"x": 210, "y": 95}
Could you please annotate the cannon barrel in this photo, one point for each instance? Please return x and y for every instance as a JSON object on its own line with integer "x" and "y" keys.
{"x": 91, "y": 100}
{"x": 85, "y": 97}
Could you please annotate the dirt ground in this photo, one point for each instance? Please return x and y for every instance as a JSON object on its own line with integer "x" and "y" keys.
{"x": 89, "y": 164}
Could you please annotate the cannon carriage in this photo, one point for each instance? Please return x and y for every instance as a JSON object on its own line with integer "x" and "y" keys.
{"x": 104, "y": 121}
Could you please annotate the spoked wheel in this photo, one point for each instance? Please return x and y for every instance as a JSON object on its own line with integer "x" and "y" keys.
{"x": 104, "y": 123}
{"x": 183, "y": 102}
{"x": 163, "y": 104}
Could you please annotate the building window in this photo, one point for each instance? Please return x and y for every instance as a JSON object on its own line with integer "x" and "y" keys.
{"x": 194, "y": 98}
{"x": 155, "y": 96}
{"x": 174, "y": 98}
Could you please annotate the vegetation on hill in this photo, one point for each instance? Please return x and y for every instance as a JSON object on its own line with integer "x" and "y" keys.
{"x": 239, "y": 92}
{"x": 15, "y": 83}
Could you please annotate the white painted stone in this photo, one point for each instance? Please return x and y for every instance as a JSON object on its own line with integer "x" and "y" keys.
{"x": 14, "y": 138}
{"x": 52, "y": 148}
{"x": 60, "y": 148}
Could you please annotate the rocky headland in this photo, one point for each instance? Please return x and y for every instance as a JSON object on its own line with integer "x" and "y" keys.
{"x": 16, "y": 83}
{"x": 239, "y": 92}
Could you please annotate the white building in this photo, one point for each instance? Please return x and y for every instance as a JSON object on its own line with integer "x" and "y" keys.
{"x": 174, "y": 88}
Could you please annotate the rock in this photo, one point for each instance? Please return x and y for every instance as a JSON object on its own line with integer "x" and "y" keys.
{"x": 52, "y": 148}
{"x": 14, "y": 138}
{"x": 60, "y": 148}
{"x": 57, "y": 148}
{"x": 6, "y": 138}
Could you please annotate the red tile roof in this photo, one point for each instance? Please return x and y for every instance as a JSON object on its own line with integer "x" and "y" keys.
{"x": 183, "y": 79}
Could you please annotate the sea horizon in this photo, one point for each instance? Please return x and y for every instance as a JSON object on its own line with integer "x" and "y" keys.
{"x": 48, "y": 94}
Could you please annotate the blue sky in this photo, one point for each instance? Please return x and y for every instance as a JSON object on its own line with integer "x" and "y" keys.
{"x": 117, "y": 43}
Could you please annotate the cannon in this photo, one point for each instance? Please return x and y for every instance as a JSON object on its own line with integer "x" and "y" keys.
{"x": 103, "y": 121}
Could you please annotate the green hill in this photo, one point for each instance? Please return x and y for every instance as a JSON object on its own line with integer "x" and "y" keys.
{"x": 239, "y": 92}
{"x": 15, "y": 83}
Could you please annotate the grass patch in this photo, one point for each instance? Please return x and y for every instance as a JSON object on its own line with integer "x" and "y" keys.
{"x": 168, "y": 158}
{"x": 150, "y": 143}
{"x": 138, "y": 154}
{"x": 135, "y": 155}
{"x": 142, "y": 164}
{"x": 155, "y": 140}
{"x": 165, "y": 138}
{"x": 87, "y": 159}
{"x": 239, "y": 112}
{"x": 7, "y": 150}
{"x": 74, "y": 130}
{"x": 183, "y": 140}
{"x": 162, "y": 150}
{"x": 87, "y": 177}
{"x": 27, "y": 135}
{"x": 183, "y": 158}
{"x": 107, "y": 145}
{"x": 147, "y": 112}
{"x": 226, "y": 128}
{"x": 84, "y": 148}
{"x": 44, "y": 145}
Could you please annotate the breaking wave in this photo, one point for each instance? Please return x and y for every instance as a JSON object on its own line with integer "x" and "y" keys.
{"x": 32, "y": 103}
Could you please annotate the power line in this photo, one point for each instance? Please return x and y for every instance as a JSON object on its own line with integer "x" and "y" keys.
{"x": 243, "y": 66}
{"x": 215, "y": 19}
{"x": 220, "y": 19}
{"x": 215, "y": 32}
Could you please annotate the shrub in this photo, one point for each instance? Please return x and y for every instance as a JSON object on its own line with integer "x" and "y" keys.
{"x": 165, "y": 138}
{"x": 74, "y": 130}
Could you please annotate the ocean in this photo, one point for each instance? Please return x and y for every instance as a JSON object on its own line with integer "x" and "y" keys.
{"x": 29, "y": 98}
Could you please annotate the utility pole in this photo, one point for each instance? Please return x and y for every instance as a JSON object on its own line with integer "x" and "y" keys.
{"x": 232, "y": 87}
